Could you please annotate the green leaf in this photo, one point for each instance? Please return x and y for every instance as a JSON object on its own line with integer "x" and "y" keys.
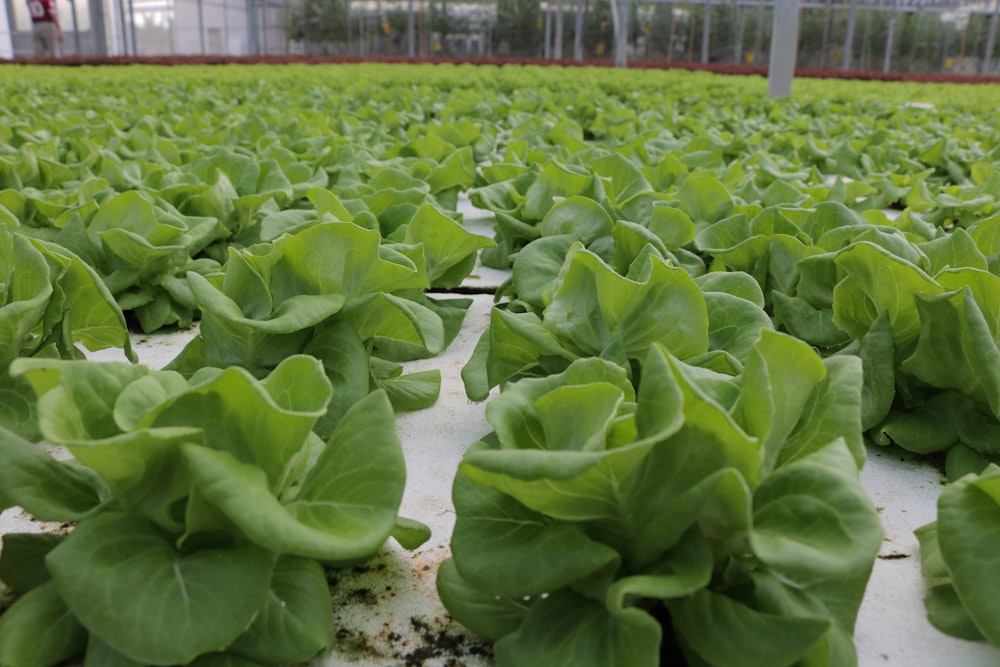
{"x": 705, "y": 198}
{"x": 878, "y": 387}
{"x": 22, "y": 561}
{"x": 683, "y": 570}
{"x": 410, "y": 534}
{"x": 956, "y": 349}
{"x": 47, "y": 489}
{"x": 240, "y": 415}
{"x": 191, "y": 603}
{"x": 100, "y": 654}
{"x": 536, "y": 268}
{"x": 297, "y": 621}
{"x": 487, "y": 615}
{"x": 566, "y": 628}
{"x": 930, "y": 428}
{"x": 554, "y": 180}
{"x": 879, "y": 281}
{"x": 579, "y": 218}
{"x": 833, "y": 411}
{"x": 809, "y": 537}
{"x": 94, "y": 318}
{"x": 968, "y": 532}
{"x": 413, "y": 391}
{"x": 723, "y": 631}
{"x": 344, "y": 509}
{"x": 76, "y": 399}
{"x": 735, "y": 283}
{"x": 230, "y": 338}
{"x": 503, "y": 548}
{"x": 39, "y": 631}
{"x": 449, "y": 249}
{"x": 780, "y": 376}
{"x": 142, "y": 469}
{"x": 944, "y": 607}
{"x": 396, "y": 319}
{"x": 341, "y": 258}
{"x": 597, "y": 309}
{"x": 734, "y": 324}
{"x": 671, "y": 225}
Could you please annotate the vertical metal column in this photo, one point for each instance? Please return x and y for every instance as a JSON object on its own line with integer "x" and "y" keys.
{"x": 410, "y": 32}
{"x": 784, "y": 48}
{"x": 673, "y": 28}
{"x": 547, "y": 45}
{"x": 263, "y": 27}
{"x": 620, "y": 10}
{"x": 578, "y": 32}
{"x": 201, "y": 25}
{"x": 758, "y": 37}
{"x": 558, "y": 48}
{"x": 706, "y": 30}
{"x": 887, "y": 59}
{"x": 96, "y": 10}
{"x": 987, "y": 65}
{"x": 852, "y": 16}
{"x": 76, "y": 27}
{"x": 121, "y": 25}
{"x": 740, "y": 27}
{"x": 131, "y": 26}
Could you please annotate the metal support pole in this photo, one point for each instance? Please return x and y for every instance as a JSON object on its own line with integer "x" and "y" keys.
{"x": 131, "y": 26}
{"x": 887, "y": 59}
{"x": 201, "y": 25}
{"x": 121, "y": 23}
{"x": 558, "y": 48}
{"x": 915, "y": 40}
{"x": 758, "y": 37}
{"x": 987, "y": 65}
{"x": 578, "y": 32}
{"x": 76, "y": 27}
{"x": 673, "y": 27}
{"x": 620, "y": 10}
{"x": 784, "y": 48}
{"x": 852, "y": 15}
{"x": 706, "y": 30}
{"x": 410, "y": 31}
{"x": 740, "y": 27}
{"x": 547, "y": 46}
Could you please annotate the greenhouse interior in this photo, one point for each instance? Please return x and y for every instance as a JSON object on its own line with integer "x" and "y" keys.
{"x": 904, "y": 36}
{"x": 523, "y": 333}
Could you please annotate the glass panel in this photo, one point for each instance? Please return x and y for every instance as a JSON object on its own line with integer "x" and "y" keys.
{"x": 154, "y": 21}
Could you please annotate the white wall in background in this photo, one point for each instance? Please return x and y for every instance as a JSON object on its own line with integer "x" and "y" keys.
{"x": 6, "y": 46}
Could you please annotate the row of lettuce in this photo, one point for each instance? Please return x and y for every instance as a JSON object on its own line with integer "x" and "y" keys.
{"x": 708, "y": 306}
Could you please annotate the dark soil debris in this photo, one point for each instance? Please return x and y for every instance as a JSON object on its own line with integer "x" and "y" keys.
{"x": 357, "y": 643}
{"x": 438, "y": 643}
{"x": 362, "y": 596}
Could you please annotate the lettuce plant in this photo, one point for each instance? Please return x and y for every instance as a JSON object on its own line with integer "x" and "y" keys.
{"x": 722, "y": 515}
{"x": 956, "y": 551}
{"x": 333, "y": 290}
{"x": 50, "y": 301}
{"x": 204, "y": 511}
{"x": 590, "y": 310}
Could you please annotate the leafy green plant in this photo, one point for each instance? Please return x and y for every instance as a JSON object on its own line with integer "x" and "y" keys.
{"x": 956, "y": 550}
{"x": 594, "y": 519}
{"x": 50, "y": 300}
{"x": 204, "y": 511}
{"x": 590, "y": 310}
{"x": 333, "y": 290}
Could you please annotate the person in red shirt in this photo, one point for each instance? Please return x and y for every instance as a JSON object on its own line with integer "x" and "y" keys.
{"x": 45, "y": 26}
